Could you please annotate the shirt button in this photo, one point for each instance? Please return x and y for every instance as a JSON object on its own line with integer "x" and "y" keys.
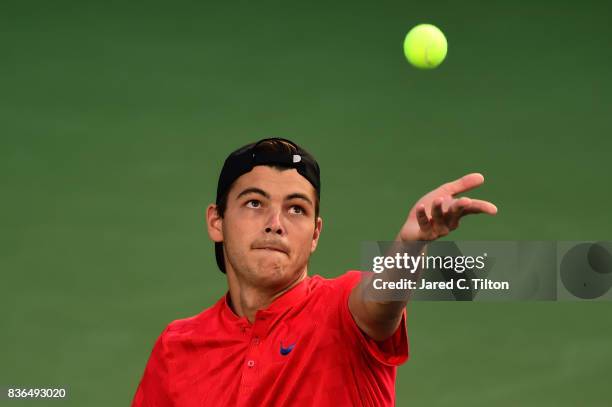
{"x": 251, "y": 363}
{"x": 256, "y": 340}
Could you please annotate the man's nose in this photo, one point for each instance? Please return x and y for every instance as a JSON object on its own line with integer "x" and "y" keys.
{"x": 274, "y": 224}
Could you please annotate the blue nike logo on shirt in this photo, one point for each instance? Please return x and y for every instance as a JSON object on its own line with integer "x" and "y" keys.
{"x": 285, "y": 351}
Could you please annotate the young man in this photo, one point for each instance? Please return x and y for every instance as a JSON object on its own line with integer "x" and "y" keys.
{"x": 280, "y": 337}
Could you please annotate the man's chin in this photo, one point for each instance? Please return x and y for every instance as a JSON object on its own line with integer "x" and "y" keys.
{"x": 270, "y": 271}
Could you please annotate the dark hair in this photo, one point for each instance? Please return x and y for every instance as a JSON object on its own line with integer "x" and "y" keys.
{"x": 268, "y": 146}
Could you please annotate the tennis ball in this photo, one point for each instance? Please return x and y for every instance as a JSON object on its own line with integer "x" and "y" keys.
{"x": 425, "y": 46}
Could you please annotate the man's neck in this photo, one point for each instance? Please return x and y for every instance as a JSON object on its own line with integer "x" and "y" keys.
{"x": 247, "y": 299}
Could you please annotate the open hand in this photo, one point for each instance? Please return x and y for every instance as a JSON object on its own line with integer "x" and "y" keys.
{"x": 438, "y": 212}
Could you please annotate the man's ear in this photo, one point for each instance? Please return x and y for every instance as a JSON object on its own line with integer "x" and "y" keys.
{"x": 214, "y": 223}
{"x": 316, "y": 234}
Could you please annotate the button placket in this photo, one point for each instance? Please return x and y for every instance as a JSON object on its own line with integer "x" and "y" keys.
{"x": 255, "y": 334}
{"x": 251, "y": 357}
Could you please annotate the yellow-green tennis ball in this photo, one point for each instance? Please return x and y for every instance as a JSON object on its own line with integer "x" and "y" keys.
{"x": 425, "y": 46}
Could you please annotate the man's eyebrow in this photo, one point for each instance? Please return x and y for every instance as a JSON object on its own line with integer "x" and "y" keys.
{"x": 253, "y": 190}
{"x": 298, "y": 195}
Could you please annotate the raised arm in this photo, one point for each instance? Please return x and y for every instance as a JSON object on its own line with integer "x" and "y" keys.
{"x": 433, "y": 216}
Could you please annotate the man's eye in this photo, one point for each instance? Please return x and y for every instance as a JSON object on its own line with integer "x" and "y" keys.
{"x": 253, "y": 203}
{"x": 298, "y": 210}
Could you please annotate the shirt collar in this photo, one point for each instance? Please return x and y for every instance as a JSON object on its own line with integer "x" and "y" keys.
{"x": 279, "y": 305}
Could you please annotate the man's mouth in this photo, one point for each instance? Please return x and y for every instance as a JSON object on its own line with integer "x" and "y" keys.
{"x": 271, "y": 247}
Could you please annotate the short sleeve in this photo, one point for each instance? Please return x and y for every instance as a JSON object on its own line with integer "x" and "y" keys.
{"x": 391, "y": 352}
{"x": 153, "y": 390}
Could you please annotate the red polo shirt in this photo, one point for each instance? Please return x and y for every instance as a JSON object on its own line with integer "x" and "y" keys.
{"x": 303, "y": 350}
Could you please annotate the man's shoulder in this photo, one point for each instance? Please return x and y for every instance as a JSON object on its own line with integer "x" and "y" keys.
{"x": 187, "y": 327}
{"x": 208, "y": 319}
{"x": 348, "y": 278}
{"x": 343, "y": 282}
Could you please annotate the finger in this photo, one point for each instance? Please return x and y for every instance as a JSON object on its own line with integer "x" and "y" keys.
{"x": 455, "y": 212}
{"x": 480, "y": 206}
{"x": 437, "y": 213}
{"x": 464, "y": 184}
{"x": 439, "y": 223}
{"x": 423, "y": 219}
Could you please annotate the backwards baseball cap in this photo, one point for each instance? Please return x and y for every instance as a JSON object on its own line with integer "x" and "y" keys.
{"x": 277, "y": 152}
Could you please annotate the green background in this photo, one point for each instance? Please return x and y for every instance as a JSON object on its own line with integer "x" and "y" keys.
{"x": 115, "y": 119}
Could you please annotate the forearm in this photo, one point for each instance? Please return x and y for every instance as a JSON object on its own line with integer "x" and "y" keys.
{"x": 378, "y": 311}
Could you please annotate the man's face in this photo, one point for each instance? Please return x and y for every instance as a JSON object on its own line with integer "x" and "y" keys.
{"x": 269, "y": 228}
